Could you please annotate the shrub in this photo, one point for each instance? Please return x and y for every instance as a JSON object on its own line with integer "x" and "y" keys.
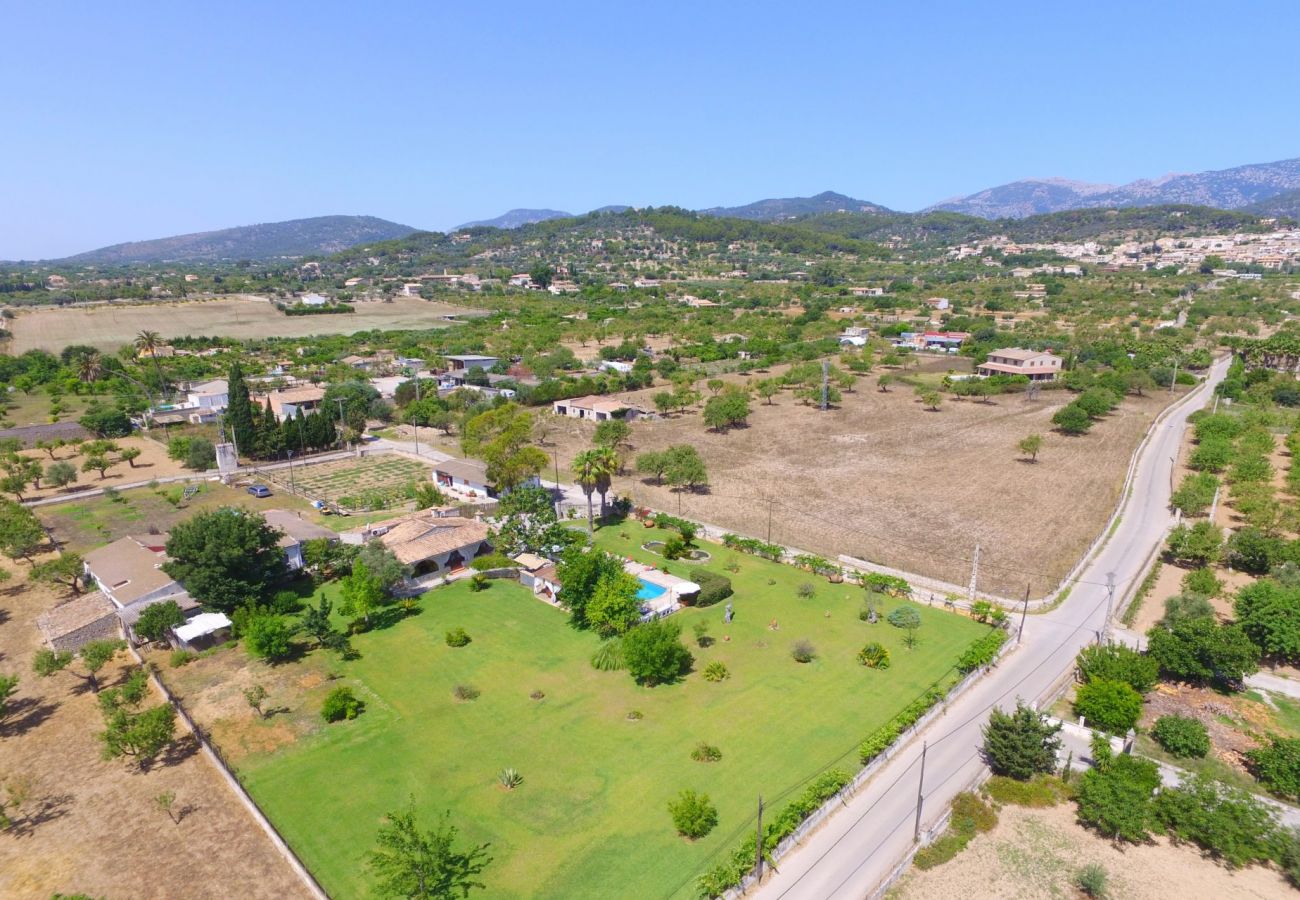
{"x": 982, "y": 651}
{"x": 1115, "y": 662}
{"x": 1201, "y": 650}
{"x": 1197, "y": 545}
{"x": 714, "y": 588}
{"x": 634, "y": 715}
{"x": 465, "y": 693}
{"x": 706, "y": 753}
{"x": 674, "y": 547}
{"x": 608, "y": 656}
{"x": 806, "y": 590}
{"x": 1225, "y": 822}
{"x": 904, "y": 617}
{"x": 492, "y": 561}
{"x": 874, "y": 656}
{"x": 510, "y": 778}
{"x": 479, "y": 582}
{"x": 1181, "y": 607}
{"x": 1277, "y": 766}
{"x": 1072, "y": 419}
{"x": 970, "y": 816}
{"x": 1181, "y": 736}
{"x": 693, "y": 814}
{"x": 157, "y": 618}
{"x": 182, "y": 658}
{"x": 340, "y": 704}
{"x": 269, "y": 637}
{"x": 716, "y": 671}
{"x": 1115, "y": 798}
{"x": 803, "y": 651}
{"x": 457, "y": 637}
{"x": 1110, "y": 705}
{"x": 890, "y": 585}
{"x": 1039, "y": 791}
{"x": 1091, "y": 880}
{"x": 1202, "y": 581}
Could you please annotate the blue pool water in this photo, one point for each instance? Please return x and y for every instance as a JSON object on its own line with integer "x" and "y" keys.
{"x": 649, "y": 590}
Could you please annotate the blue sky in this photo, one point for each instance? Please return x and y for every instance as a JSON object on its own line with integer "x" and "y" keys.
{"x": 128, "y": 121}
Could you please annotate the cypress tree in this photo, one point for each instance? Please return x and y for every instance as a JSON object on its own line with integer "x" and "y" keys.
{"x": 239, "y": 412}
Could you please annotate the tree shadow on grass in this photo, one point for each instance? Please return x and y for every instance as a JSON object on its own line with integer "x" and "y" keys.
{"x": 25, "y": 714}
{"x": 35, "y": 813}
{"x": 390, "y": 616}
{"x": 175, "y": 753}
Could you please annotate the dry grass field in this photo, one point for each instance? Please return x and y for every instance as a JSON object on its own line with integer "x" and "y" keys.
{"x": 887, "y": 480}
{"x": 90, "y": 825}
{"x": 109, "y": 327}
{"x": 1034, "y": 853}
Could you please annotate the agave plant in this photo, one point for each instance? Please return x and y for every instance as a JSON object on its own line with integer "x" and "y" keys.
{"x": 510, "y": 778}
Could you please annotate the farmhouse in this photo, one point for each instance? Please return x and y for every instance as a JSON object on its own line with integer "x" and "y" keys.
{"x": 129, "y": 573}
{"x": 469, "y": 476}
{"x": 1038, "y": 365}
{"x": 597, "y": 408}
{"x": 470, "y": 361}
{"x": 286, "y": 403}
{"x": 427, "y": 544}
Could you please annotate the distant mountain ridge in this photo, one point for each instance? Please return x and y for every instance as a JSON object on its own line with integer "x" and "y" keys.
{"x": 516, "y": 218}
{"x": 1235, "y": 188}
{"x": 776, "y": 209}
{"x": 296, "y": 237}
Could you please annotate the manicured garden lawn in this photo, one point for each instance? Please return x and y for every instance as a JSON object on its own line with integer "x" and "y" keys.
{"x": 590, "y": 818}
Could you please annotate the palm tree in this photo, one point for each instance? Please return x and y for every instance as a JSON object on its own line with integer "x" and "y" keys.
{"x": 608, "y": 465}
{"x": 149, "y": 342}
{"x": 586, "y": 471}
{"x": 90, "y": 366}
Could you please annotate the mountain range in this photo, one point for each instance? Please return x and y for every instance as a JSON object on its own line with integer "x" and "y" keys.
{"x": 1262, "y": 189}
{"x": 1236, "y": 188}
{"x": 296, "y": 237}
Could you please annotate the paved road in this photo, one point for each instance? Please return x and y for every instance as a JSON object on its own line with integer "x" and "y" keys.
{"x": 859, "y": 846}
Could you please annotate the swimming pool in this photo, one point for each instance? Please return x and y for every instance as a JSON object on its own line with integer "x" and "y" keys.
{"x": 649, "y": 590}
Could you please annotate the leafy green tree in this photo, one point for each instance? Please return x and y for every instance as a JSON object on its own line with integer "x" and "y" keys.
{"x": 1116, "y": 798}
{"x": 1195, "y": 494}
{"x": 694, "y": 815}
{"x": 1197, "y": 545}
{"x": 612, "y": 433}
{"x": 106, "y": 421}
{"x": 1269, "y": 613}
{"x": 255, "y": 696}
{"x": 20, "y": 471}
{"x": 931, "y": 400}
{"x": 1253, "y": 550}
{"x": 613, "y": 607}
{"x": 500, "y": 437}
{"x": 67, "y": 569}
{"x": 226, "y": 558}
{"x": 1020, "y": 744}
{"x": 129, "y": 455}
{"x": 61, "y": 474}
{"x": 1110, "y": 705}
{"x": 141, "y": 735}
{"x": 654, "y": 653}
{"x": 1201, "y": 650}
{"x": 94, "y": 656}
{"x": 768, "y": 388}
{"x": 581, "y": 572}
{"x": 200, "y": 454}
{"x": 316, "y": 624}
{"x": 8, "y": 685}
{"x": 1277, "y": 765}
{"x": 1181, "y": 607}
{"x": 1116, "y": 662}
{"x": 21, "y": 534}
{"x": 653, "y": 462}
{"x": 269, "y": 637}
{"x": 1227, "y": 823}
{"x": 362, "y": 592}
{"x": 1030, "y": 445}
{"x": 97, "y": 462}
{"x": 382, "y": 564}
{"x": 1072, "y": 419}
{"x": 685, "y": 467}
{"x": 157, "y": 618}
{"x": 726, "y": 410}
{"x": 424, "y": 865}
{"x": 526, "y": 523}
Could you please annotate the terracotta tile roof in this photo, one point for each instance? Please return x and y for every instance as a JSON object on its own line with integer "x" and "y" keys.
{"x": 418, "y": 537}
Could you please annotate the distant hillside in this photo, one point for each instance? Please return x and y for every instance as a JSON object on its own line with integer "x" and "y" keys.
{"x": 1224, "y": 189}
{"x": 517, "y": 218}
{"x": 297, "y": 237}
{"x": 1279, "y": 205}
{"x": 776, "y": 209}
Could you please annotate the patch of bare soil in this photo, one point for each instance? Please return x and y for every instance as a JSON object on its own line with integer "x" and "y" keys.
{"x": 90, "y": 825}
{"x": 1036, "y": 853}
{"x": 1228, "y": 719}
{"x": 883, "y": 478}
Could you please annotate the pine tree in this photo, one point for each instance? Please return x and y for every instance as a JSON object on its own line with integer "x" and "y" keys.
{"x": 239, "y": 412}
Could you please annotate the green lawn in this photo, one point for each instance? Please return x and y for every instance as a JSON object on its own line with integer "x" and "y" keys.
{"x": 590, "y": 818}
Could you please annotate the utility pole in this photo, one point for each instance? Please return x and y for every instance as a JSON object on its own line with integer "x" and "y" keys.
{"x": 826, "y": 384}
{"x": 758, "y": 844}
{"x": 339, "y": 400}
{"x": 1110, "y": 605}
{"x": 974, "y": 573}
{"x": 1174, "y": 380}
{"x": 770, "y": 502}
{"x": 415, "y": 426}
{"x": 1023, "y": 614}
{"x": 559, "y": 491}
{"x": 920, "y": 797}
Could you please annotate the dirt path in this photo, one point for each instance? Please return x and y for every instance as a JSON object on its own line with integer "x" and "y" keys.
{"x": 97, "y": 830}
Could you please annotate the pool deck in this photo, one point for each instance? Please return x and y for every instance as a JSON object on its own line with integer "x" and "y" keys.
{"x": 666, "y": 602}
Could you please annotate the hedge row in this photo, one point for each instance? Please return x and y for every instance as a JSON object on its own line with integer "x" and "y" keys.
{"x": 740, "y": 862}
{"x": 753, "y": 546}
{"x": 887, "y": 584}
{"x": 982, "y": 652}
{"x": 886, "y": 734}
{"x": 816, "y": 564}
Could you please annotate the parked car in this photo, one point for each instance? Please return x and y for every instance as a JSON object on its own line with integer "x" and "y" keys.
{"x": 259, "y": 490}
